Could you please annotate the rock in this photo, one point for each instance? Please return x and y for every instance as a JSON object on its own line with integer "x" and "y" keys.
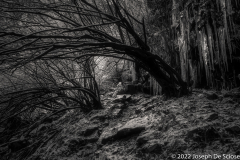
{"x": 178, "y": 144}
{"x": 147, "y": 96}
{"x": 119, "y": 90}
{"x": 85, "y": 152}
{"x": 107, "y": 135}
{"x": 149, "y": 108}
{"x": 207, "y": 106}
{"x": 93, "y": 138}
{"x": 133, "y": 126}
{"x": 211, "y": 95}
{"x": 220, "y": 97}
{"x": 228, "y": 100}
{"x": 212, "y": 116}
{"x": 152, "y": 146}
{"x": 111, "y": 89}
{"x": 100, "y": 116}
{"x": 109, "y": 94}
{"x": 234, "y": 129}
{"x": 116, "y": 112}
{"x": 125, "y": 96}
{"x": 202, "y": 133}
{"x": 89, "y": 130}
{"x": 74, "y": 142}
{"x": 200, "y": 95}
{"x": 122, "y": 98}
{"x": 138, "y": 110}
{"x": 145, "y": 103}
{"x": 237, "y": 111}
{"x": 146, "y": 136}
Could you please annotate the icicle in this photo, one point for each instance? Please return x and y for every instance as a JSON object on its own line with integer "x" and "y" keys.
{"x": 205, "y": 54}
{"x": 217, "y": 54}
{"x": 156, "y": 86}
{"x": 188, "y": 42}
{"x": 183, "y": 47}
{"x": 226, "y": 35}
{"x": 210, "y": 46}
{"x": 201, "y": 49}
{"x": 223, "y": 48}
{"x": 151, "y": 85}
{"x": 199, "y": 73}
{"x": 198, "y": 33}
{"x": 174, "y": 13}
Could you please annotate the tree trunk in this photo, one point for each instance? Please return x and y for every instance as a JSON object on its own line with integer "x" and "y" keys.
{"x": 165, "y": 75}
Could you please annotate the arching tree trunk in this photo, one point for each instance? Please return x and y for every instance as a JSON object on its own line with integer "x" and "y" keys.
{"x": 165, "y": 75}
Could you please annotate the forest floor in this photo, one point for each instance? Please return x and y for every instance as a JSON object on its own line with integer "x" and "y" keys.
{"x": 203, "y": 125}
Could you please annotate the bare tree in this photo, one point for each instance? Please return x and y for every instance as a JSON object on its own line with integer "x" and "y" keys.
{"x": 77, "y": 29}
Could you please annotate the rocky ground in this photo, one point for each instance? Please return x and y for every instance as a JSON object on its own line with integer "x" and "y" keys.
{"x": 203, "y": 125}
